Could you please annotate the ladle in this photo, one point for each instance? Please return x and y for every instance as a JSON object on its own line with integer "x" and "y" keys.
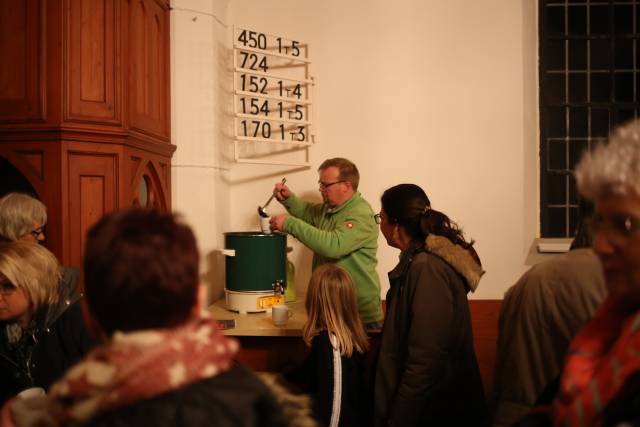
{"x": 261, "y": 209}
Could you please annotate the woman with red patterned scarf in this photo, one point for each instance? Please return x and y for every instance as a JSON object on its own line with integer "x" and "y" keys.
{"x": 600, "y": 382}
{"x": 164, "y": 363}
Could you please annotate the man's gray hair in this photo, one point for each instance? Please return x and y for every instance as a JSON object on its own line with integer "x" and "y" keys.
{"x": 18, "y": 215}
{"x": 612, "y": 168}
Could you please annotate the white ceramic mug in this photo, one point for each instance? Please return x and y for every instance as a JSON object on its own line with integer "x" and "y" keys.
{"x": 31, "y": 392}
{"x": 280, "y": 314}
{"x": 264, "y": 225}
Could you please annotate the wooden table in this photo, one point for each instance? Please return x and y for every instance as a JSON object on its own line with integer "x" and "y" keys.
{"x": 263, "y": 345}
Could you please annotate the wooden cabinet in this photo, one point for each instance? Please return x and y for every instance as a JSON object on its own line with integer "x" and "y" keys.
{"x": 85, "y": 108}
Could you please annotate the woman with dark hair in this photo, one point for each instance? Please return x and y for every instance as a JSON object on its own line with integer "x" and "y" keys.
{"x": 427, "y": 371}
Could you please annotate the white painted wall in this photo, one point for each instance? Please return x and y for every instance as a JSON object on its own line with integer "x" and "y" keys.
{"x": 441, "y": 94}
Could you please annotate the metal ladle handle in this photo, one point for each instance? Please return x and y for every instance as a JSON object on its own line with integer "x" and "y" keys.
{"x": 273, "y": 195}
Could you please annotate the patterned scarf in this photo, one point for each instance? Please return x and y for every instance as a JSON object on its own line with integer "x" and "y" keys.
{"x": 130, "y": 367}
{"x": 601, "y": 358}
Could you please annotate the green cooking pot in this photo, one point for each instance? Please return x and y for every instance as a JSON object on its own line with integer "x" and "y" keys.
{"x": 254, "y": 260}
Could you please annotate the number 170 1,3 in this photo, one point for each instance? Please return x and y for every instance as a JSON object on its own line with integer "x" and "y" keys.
{"x": 260, "y": 129}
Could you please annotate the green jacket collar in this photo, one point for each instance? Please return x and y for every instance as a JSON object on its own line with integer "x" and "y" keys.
{"x": 337, "y": 209}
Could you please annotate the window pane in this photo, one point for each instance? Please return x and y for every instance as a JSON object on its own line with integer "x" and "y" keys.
{"x": 578, "y": 54}
{"x": 600, "y": 87}
{"x": 600, "y": 54}
{"x": 556, "y": 156}
{"x": 557, "y": 189}
{"x": 599, "y": 122}
{"x": 589, "y": 83}
{"x": 577, "y": 20}
{"x": 556, "y": 222}
{"x": 623, "y": 49}
{"x": 623, "y": 17}
{"x": 573, "y": 191}
{"x": 623, "y": 83}
{"x": 599, "y": 20}
{"x": 555, "y": 90}
{"x": 555, "y": 55}
{"x": 556, "y": 122}
{"x": 576, "y": 150}
{"x": 623, "y": 115}
{"x": 555, "y": 20}
{"x": 578, "y": 122}
{"x": 573, "y": 221}
{"x": 577, "y": 88}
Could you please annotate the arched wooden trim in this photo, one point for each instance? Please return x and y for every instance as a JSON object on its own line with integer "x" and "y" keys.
{"x": 26, "y": 170}
{"x": 157, "y": 188}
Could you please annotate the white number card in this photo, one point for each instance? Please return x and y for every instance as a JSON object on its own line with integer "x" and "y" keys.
{"x": 272, "y": 90}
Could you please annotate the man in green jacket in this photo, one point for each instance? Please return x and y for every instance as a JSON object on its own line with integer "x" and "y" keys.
{"x": 341, "y": 230}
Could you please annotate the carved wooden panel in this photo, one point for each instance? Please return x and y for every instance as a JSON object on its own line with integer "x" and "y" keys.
{"x": 93, "y": 191}
{"x": 149, "y": 67}
{"x": 84, "y": 108}
{"x": 21, "y": 61}
{"x": 92, "y": 61}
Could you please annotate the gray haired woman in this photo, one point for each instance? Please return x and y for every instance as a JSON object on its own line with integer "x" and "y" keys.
{"x": 22, "y": 217}
{"x": 600, "y": 382}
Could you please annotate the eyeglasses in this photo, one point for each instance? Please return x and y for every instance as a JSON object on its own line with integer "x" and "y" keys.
{"x": 617, "y": 228}
{"x": 377, "y": 218}
{"x": 37, "y": 232}
{"x": 324, "y": 185}
{"x": 7, "y": 288}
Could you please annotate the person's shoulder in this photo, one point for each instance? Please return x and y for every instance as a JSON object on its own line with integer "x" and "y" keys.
{"x": 423, "y": 258}
{"x": 321, "y": 342}
{"x": 234, "y": 397}
{"x": 360, "y": 203}
{"x": 68, "y": 285}
{"x": 562, "y": 268}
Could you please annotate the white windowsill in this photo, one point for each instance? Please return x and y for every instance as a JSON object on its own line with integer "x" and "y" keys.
{"x": 544, "y": 248}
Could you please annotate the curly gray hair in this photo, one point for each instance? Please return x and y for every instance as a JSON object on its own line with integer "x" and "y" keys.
{"x": 612, "y": 168}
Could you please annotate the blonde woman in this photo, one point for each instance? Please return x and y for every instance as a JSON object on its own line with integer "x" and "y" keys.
{"x": 332, "y": 373}
{"x": 22, "y": 217}
{"x": 41, "y": 327}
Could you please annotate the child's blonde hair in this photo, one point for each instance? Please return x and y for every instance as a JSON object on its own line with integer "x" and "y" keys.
{"x": 331, "y": 305}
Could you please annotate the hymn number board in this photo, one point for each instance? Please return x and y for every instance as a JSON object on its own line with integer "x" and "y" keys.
{"x": 272, "y": 89}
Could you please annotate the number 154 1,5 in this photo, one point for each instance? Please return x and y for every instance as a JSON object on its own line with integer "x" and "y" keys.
{"x": 257, "y": 107}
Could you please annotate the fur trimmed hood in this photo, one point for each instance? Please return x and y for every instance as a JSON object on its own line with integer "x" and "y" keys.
{"x": 457, "y": 257}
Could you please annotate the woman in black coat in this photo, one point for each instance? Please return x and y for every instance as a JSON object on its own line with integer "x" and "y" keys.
{"x": 42, "y": 331}
{"x": 427, "y": 371}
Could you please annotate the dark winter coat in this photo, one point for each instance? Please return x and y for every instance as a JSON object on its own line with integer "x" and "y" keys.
{"x": 233, "y": 398}
{"x": 58, "y": 341}
{"x": 427, "y": 370}
{"x": 316, "y": 376}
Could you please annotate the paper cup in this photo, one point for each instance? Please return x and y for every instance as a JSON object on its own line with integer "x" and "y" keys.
{"x": 264, "y": 225}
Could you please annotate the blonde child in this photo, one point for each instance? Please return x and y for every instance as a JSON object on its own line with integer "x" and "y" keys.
{"x": 332, "y": 373}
